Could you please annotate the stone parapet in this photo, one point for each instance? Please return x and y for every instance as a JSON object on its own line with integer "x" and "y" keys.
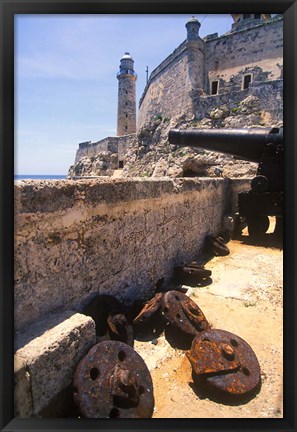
{"x": 109, "y": 144}
{"x": 76, "y": 239}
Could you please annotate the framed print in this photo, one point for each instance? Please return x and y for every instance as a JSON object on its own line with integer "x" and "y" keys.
{"x": 148, "y": 215}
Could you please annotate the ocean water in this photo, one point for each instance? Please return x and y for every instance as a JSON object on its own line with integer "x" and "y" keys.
{"x": 39, "y": 177}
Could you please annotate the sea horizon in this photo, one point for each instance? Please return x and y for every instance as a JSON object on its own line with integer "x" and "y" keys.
{"x": 39, "y": 176}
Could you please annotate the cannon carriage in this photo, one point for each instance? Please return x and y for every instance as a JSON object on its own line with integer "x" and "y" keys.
{"x": 261, "y": 145}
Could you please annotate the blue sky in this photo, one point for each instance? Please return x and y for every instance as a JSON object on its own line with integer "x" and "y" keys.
{"x": 65, "y": 77}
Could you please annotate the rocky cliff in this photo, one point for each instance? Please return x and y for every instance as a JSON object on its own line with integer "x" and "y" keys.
{"x": 149, "y": 153}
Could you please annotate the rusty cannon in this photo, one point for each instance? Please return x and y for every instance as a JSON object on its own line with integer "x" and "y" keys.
{"x": 261, "y": 145}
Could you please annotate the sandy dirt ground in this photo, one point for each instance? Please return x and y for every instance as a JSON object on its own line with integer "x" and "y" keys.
{"x": 245, "y": 298}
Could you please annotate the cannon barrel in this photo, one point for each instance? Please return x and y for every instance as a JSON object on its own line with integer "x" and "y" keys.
{"x": 247, "y": 144}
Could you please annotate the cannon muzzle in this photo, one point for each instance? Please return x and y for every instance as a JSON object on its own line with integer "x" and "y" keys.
{"x": 246, "y": 144}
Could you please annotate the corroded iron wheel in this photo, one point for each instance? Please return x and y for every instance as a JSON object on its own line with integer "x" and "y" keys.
{"x": 113, "y": 381}
{"x": 225, "y": 361}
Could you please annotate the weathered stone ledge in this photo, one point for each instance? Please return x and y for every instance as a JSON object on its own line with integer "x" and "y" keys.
{"x": 53, "y": 195}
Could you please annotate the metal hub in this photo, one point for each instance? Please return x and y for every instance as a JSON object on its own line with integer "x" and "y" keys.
{"x": 225, "y": 360}
{"x": 216, "y": 246}
{"x": 182, "y": 312}
{"x": 112, "y": 380}
{"x": 110, "y": 319}
{"x": 192, "y": 273}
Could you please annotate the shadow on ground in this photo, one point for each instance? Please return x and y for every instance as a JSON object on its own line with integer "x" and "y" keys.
{"x": 267, "y": 240}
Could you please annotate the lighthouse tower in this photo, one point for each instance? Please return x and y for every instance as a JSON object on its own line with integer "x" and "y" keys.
{"x": 126, "y": 97}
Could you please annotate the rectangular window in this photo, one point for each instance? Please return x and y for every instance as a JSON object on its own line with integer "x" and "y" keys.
{"x": 121, "y": 164}
{"x": 247, "y": 79}
{"x": 214, "y": 87}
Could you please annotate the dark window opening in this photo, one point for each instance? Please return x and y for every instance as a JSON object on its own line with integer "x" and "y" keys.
{"x": 121, "y": 164}
{"x": 127, "y": 71}
{"x": 246, "y": 81}
{"x": 126, "y": 103}
{"x": 246, "y": 16}
{"x": 126, "y": 127}
{"x": 214, "y": 87}
{"x": 126, "y": 115}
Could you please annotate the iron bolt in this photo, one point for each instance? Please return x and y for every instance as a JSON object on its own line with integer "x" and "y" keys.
{"x": 227, "y": 352}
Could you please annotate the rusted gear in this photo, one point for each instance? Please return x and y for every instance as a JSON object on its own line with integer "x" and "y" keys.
{"x": 226, "y": 361}
{"x": 110, "y": 319}
{"x": 195, "y": 265}
{"x": 182, "y": 312}
{"x": 216, "y": 246}
{"x": 192, "y": 273}
{"x": 112, "y": 380}
{"x": 150, "y": 309}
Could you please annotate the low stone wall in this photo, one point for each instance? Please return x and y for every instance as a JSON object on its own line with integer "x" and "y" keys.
{"x": 112, "y": 144}
{"x": 76, "y": 239}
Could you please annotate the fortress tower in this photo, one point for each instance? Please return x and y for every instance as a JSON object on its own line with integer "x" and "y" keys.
{"x": 193, "y": 26}
{"x": 126, "y": 123}
{"x": 244, "y": 21}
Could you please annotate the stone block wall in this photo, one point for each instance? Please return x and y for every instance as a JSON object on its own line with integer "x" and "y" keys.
{"x": 257, "y": 50}
{"x": 184, "y": 78}
{"x": 109, "y": 144}
{"x": 168, "y": 92}
{"x": 269, "y": 94}
{"x": 46, "y": 355}
{"x": 76, "y": 239}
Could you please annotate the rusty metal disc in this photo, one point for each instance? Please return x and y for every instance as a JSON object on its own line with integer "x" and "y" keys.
{"x": 226, "y": 361}
{"x": 113, "y": 381}
{"x": 110, "y": 319}
{"x": 216, "y": 246}
{"x": 199, "y": 273}
{"x": 192, "y": 274}
{"x": 196, "y": 265}
{"x": 149, "y": 310}
{"x": 182, "y": 312}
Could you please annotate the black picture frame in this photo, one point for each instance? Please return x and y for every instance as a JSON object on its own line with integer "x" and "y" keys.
{"x": 8, "y": 9}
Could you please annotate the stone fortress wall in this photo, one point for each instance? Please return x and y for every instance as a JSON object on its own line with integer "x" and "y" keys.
{"x": 183, "y": 82}
{"x": 257, "y": 50}
{"x": 118, "y": 145}
{"x": 161, "y": 94}
{"x": 77, "y": 239}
